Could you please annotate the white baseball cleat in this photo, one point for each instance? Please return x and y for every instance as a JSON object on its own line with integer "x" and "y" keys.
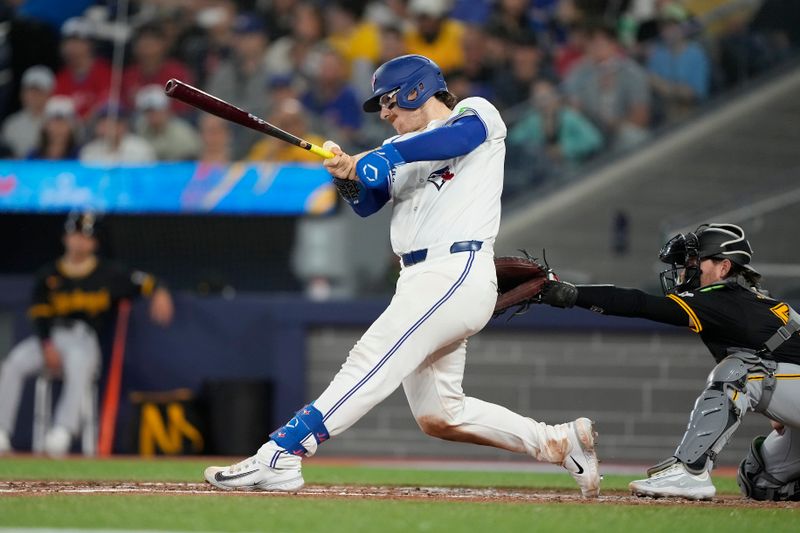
{"x": 254, "y": 474}
{"x": 581, "y": 462}
{"x": 675, "y": 482}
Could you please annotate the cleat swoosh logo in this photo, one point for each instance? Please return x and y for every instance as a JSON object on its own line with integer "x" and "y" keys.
{"x": 219, "y": 476}
{"x": 580, "y": 468}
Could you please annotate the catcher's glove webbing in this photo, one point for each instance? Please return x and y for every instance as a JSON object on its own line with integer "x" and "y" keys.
{"x": 519, "y": 282}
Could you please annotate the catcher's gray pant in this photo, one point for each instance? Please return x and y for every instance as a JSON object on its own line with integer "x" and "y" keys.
{"x": 80, "y": 360}
{"x": 781, "y": 452}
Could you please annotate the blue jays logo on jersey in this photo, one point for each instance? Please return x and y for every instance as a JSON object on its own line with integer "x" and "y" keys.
{"x": 440, "y": 177}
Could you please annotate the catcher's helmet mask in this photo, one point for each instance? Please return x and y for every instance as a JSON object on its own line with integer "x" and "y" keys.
{"x": 415, "y": 79}
{"x": 709, "y": 241}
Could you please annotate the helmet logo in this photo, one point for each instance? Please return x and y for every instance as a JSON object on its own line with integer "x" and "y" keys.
{"x": 374, "y": 80}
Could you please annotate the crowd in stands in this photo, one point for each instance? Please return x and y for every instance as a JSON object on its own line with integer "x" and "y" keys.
{"x": 573, "y": 78}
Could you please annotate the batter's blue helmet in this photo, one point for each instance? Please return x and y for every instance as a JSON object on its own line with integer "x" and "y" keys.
{"x": 417, "y": 78}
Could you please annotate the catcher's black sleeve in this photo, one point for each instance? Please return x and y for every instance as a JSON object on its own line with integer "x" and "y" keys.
{"x": 611, "y": 300}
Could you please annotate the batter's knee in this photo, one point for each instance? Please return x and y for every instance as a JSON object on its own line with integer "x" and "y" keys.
{"x": 437, "y": 426}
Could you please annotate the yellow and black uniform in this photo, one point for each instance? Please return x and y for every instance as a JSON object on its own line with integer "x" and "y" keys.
{"x": 62, "y": 299}
{"x": 726, "y": 315}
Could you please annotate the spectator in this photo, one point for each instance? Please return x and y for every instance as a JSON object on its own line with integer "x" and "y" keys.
{"x": 514, "y": 17}
{"x": 151, "y": 66}
{"x": 58, "y": 137}
{"x": 206, "y": 44}
{"x": 281, "y": 88}
{"x": 679, "y": 67}
{"x": 354, "y": 38}
{"x": 496, "y": 48}
{"x": 216, "y": 139}
{"x": 512, "y": 86}
{"x": 289, "y": 116}
{"x": 241, "y": 79}
{"x": 553, "y": 131}
{"x": 473, "y": 13}
{"x": 478, "y": 70}
{"x": 571, "y": 52}
{"x": 291, "y": 54}
{"x": 21, "y": 129}
{"x": 332, "y": 97}
{"x": 172, "y": 138}
{"x": 278, "y": 15}
{"x": 113, "y": 143}
{"x": 74, "y": 300}
{"x": 434, "y": 35}
{"x": 611, "y": 89}
{"x": 84, "y": 78}
{"x": 392, "y": 43}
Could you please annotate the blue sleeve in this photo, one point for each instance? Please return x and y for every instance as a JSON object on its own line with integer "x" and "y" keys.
{"x": 370, "y": 201}
{"x": 447, "y": 142}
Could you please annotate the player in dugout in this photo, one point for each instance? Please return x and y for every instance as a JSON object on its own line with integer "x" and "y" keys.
{"x": 443, "y": 175}
{"x": 74, "y": 299}
{"x": 711, "y": 288}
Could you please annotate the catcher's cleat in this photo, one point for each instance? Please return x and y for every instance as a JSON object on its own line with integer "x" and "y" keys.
{"x": 254, "y": 474}
{"x": 675, "y": 482}
{"x": 581, "y": 462}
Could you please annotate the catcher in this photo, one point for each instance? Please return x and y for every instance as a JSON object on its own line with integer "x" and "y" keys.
{"x": 711, "y": 288}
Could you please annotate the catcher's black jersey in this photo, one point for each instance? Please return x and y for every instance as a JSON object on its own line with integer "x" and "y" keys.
{"x": 90, "y": 298}
{"x": 727, "y": 315}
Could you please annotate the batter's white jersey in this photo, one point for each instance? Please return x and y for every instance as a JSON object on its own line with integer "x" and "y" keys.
{"x": 442, "y": 202}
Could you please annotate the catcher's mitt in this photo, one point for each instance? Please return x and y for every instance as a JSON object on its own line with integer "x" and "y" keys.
{"x": 519, "y": 282}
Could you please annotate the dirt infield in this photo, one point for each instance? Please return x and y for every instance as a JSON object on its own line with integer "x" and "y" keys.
{"x": 44, "y": 488}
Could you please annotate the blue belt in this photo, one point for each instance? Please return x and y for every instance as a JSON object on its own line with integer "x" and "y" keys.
{"x": 418, "y": 256}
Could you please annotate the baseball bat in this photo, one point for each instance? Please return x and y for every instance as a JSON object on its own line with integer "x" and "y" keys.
{"x": 225, "y": 110}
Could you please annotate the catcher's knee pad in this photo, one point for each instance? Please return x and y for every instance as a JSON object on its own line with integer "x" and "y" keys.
{"x": 756, "y": 483}
{"x": 715, "y": 415}
{"x": 302, "y": 433}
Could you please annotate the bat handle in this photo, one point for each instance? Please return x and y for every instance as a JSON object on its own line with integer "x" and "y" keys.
{"x": 322, "y": 152}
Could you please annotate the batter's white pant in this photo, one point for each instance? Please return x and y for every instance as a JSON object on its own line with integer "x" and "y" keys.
{"x": 80, "y": 360}
{"x": 420, "y": 341}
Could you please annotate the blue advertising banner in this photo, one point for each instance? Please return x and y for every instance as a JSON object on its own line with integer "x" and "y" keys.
{"x": 178, "y": 188}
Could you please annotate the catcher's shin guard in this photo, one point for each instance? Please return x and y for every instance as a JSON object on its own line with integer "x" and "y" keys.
{"x": 717, "y": 411}
{"x": 756, "y": 483}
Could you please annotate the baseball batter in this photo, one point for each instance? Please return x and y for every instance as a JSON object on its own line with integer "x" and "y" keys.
{"x": 443, "y": 175}
{"x": 74, "y": 298}
{"x": 711, "y": 288}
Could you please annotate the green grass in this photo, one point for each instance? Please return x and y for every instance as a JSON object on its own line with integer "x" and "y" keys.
{"x": 261, "y": 512}
{"x": 277, "y": 514}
